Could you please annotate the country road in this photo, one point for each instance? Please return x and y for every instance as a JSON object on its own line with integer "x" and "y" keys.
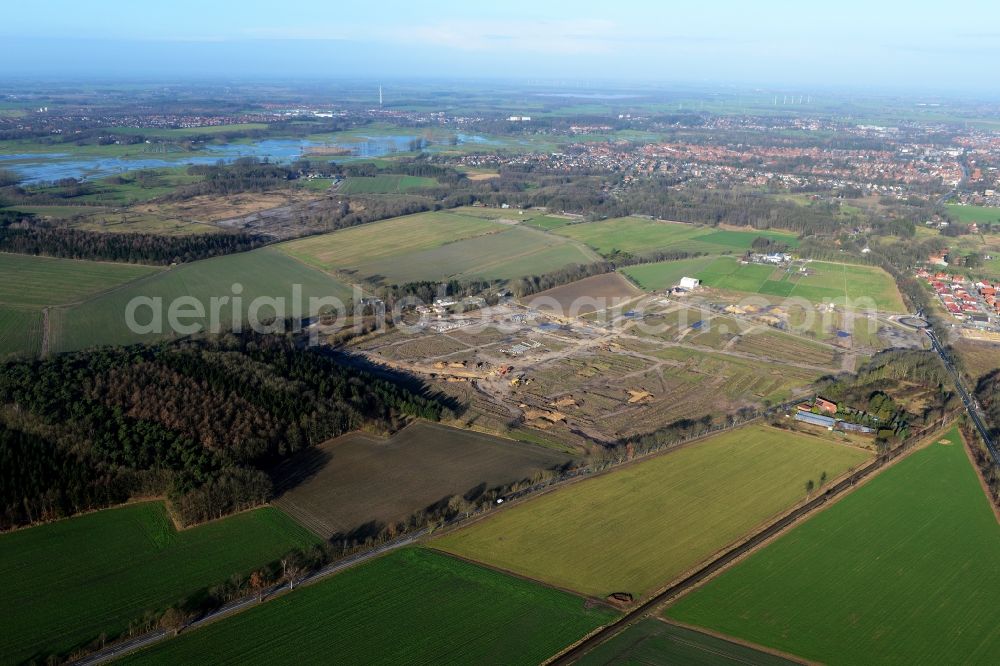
{"x": 157, "y": 635}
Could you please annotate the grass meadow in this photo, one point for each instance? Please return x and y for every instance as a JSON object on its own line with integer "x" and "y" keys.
{"x": 640, "y": 235}
{"x": 903, "y": 571}
{"x": 437, "y": 246}
{"x": 71, "y": 580}
{"x": 977, "y": 214}
{"x": 824, "y": 282}
{"x": 638, "y": 527}
{"x": 411, "y": 606}
{"x": 346, "y": 249}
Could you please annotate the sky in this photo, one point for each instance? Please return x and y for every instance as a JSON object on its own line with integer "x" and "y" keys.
{"x": 916, "y": 45}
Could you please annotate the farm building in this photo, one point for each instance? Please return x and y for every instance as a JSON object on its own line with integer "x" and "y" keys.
{"x": 854, "y": 427}
{"x": 826, "y": 406}
{"x": 815, "y": 419}
{"x": 689, "y": 282}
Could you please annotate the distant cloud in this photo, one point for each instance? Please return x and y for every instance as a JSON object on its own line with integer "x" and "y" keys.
{"x": 562, "y": 37}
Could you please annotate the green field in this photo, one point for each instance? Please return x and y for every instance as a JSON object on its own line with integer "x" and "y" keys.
{"x": 666, "y": 274}
{"x": 823, "y": 281}
{"x": 512, "y": 253}
{"x": 638, "y": 527}
{"x": 437, "y": 246}
{"x": 34, "y": 282}
{"x": 349, "y": 248}
{"x": 412, "y": 606}
{"x": 28, "y": 284}
{"x": 384, "y": 184}
{"x": 903, "y": 571}
{"x": 640, "y": 235}
{"x": 69, "y": 581}
{"x": 978, "y": 214}
{"x": 262, "y": 273}
{"x": 656, "y": 643}
{"x": 20, "y": 331}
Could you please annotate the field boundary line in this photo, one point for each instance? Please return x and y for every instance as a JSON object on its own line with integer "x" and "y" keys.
{"x": 737, "y": 641}
{"x": 529, "y": 579}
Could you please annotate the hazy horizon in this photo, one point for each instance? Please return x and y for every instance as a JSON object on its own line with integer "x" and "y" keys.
{"x": 913, "y": 47}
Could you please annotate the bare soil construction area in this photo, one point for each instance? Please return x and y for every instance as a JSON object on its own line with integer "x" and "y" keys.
{"x": 360, "y": 482}
{"x": 593, "y": 294}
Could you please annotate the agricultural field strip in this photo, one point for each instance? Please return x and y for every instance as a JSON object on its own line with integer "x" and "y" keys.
{"x": 261, "y": 272}
{"x": 925, "y": 597}
{"x": 731, "y": 558}
{"x": 347, "y": 248}
{"x": 655, "y": 642}
{"x": 73, "y": 579}
{"x": 416, "y": 605}
{"x": 331, "y": 489}
{"x": 34, "y": 282}
{"x": 626, "y": 551}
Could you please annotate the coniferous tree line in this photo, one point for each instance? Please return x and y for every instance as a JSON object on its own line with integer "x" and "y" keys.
{"x": 199, "y": 421}
{"x": 24, "y": 234}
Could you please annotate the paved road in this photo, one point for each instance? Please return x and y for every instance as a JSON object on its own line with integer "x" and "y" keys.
{"x": 971, "y": 406}
{"x": 157, "y": 635}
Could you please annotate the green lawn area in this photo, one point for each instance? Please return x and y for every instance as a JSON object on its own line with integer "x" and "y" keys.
{"x": 655, "y": 643}
{"x": 638, "y": 527}
{"x": 867, "y": 287}
{"x": 902, "y": 571}
{"x": 978, "y": 214}
{"x": 71, "y": 580}
{"x": 264, "y": 273}
{"x": 437, "y": 246}
{"x": 412, "y": 606}
{"x": 640, "y": 235}
{"x": 385, "y": 184}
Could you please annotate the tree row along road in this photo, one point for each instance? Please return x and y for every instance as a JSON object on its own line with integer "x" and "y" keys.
{"x": 971, "y": 406}
{"x": 145, "y": 640}
{"x": 604, "y": 634}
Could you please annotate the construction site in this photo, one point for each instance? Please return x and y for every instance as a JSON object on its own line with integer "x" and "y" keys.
{"x": 629, "y": 365}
